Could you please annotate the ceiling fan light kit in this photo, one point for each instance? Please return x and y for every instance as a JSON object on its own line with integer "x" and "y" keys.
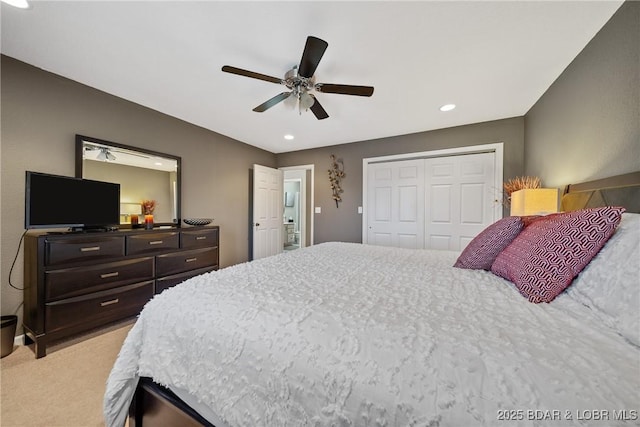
{"x": 300, "y": 81}
{"x": 105, "y": 155}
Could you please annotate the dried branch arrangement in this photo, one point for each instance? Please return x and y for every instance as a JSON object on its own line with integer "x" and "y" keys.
{"x": 519, "y": 183}
{"x": 148, "y": 206}
{"x": 336, "y": 173}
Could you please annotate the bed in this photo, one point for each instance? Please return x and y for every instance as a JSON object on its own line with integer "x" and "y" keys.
{"x": 343, "y": 334}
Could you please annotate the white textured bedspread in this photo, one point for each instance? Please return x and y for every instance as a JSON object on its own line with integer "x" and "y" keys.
{"x": 343, "y": 334}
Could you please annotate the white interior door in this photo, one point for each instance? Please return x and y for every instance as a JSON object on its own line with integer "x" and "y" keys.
{"x": 459, "y": 199}
{"x": 396, "y": 204}
{"x": 267, "y": 211}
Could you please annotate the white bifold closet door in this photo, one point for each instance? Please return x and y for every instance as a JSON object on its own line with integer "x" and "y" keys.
{"x": 459, "y": 199}
{"x": 435, "y": 203}
{"x": 396, "y": 204}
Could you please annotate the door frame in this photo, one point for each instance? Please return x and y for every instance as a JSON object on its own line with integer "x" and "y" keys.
{"x": 309, "y": 197}
{"x": 497, "y": 148}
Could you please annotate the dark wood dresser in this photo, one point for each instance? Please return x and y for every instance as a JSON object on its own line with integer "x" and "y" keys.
{"x": 75, "y": 282}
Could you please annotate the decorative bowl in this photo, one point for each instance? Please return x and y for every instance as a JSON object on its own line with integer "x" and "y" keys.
{"x": 197, "y": 221}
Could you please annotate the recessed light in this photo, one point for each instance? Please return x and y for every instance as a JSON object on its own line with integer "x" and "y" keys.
{"x": 289, "y": 137}
{"x": 447, "y": 107}
{"x": 22, "y": 4}
{"x": 158, "y": 164}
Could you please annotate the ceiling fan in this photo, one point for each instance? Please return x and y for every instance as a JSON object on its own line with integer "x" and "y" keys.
{"x": 106, "y": 153}
{"x": 300, "y": 81}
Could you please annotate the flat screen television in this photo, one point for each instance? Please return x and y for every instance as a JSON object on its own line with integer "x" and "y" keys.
{"x": 53, "y": 201}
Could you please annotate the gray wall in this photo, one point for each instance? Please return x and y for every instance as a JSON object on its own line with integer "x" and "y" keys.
{"x": 344, "y": 223}
{"x": 587, "y": 124}
{"x": 42, "y": 113}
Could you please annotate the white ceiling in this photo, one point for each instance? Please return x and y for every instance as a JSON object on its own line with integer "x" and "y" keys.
{"x": 493, "y": 59}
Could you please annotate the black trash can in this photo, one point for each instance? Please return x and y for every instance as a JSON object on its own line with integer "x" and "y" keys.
{"x": 8, "y": 329}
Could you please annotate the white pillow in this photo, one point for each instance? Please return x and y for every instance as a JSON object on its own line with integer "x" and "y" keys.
{"x": 610, "y": 284}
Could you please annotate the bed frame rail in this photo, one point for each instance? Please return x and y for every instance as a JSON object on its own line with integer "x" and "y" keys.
{"x": 155, "y": 406}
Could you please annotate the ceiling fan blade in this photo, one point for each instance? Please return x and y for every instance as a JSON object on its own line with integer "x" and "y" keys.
{"x": 311, "y": 56}
{"x": 271, "y": 102}
{"x": 246, "y": 73}
{"x": 317, "y": 109}
{"x": 344, "y": 89}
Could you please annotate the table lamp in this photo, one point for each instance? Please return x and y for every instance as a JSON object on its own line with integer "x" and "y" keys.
{"x": 534, "y": 201}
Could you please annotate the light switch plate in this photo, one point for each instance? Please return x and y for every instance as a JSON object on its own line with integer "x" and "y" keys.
{"x": 359, "y": 209}
{"x": 318, "y": 209}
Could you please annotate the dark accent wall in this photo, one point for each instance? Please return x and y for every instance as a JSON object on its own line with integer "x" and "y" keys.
{"x": 587, "y": 124}
{"x": 42, "y": 113}
{"x": 345, "y": 223}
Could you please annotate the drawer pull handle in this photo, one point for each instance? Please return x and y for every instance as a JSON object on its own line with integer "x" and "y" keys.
{"x": 191, "y": 259}
{"x": 90, "y": 249}
{"x": 201, "y": 238}
{"x": 107, "y": 275}
{"x": 106, "y": 303}
{"x": 156, "y": 242}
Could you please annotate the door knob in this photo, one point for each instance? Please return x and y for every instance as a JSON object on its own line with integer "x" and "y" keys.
{"x": 257, "y": 224}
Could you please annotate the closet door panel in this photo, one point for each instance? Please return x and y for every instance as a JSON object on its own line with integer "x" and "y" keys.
{"x": 459, "y": 199}
{"x": 476, "y": 196}
{"x": 472, "y": 204}
{"x": 395, "y": 210}
{"x": 407, "y": 206}
{"x": 439, "y": 242}
{"x": 439, "y": 203}
{"x": 382, "y": 204}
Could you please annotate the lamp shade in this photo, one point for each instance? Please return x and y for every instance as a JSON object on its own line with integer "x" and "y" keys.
{"x": 534, "y": 201}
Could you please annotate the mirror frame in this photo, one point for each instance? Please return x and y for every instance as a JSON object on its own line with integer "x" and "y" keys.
{"x": 80, "y": 139}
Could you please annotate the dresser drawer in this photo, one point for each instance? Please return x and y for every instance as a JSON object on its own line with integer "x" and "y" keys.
{"x": 69, "y": 282}
{"x": 83, "y": 249}
{"x": 179, "y": 262}
{"x": 199, "y": 238}
{"x": 169, "y": 281}
{"x": 98, "y": 308}
{"x": 152, "y": 242}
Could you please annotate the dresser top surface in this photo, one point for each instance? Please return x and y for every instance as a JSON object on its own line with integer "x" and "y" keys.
{"x": 50, "y": 234}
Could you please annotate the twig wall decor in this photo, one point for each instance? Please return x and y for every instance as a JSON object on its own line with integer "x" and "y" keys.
{"x": 336, "y": 173}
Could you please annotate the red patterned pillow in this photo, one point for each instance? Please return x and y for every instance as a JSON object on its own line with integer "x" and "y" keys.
{"x": 485, "y": 247}
{"x": 544, "y": 259}
{"x": 528, "y": 220}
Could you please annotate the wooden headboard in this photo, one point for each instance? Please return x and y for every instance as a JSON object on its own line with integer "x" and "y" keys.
{"x": 620, "y": 190}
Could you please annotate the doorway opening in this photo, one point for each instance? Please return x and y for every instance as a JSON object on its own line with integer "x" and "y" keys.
{"x": 297, "y": 202}
{"x": 292, "y": 214}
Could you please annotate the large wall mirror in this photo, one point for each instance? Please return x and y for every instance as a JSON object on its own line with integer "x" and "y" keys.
{"x": 143, "y": 176}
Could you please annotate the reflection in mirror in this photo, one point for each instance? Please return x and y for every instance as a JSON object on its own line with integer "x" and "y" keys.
{"x": 149, "y": 181}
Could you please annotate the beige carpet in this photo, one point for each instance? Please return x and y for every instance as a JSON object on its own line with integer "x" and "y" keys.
{"x": 65, "y": 388}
